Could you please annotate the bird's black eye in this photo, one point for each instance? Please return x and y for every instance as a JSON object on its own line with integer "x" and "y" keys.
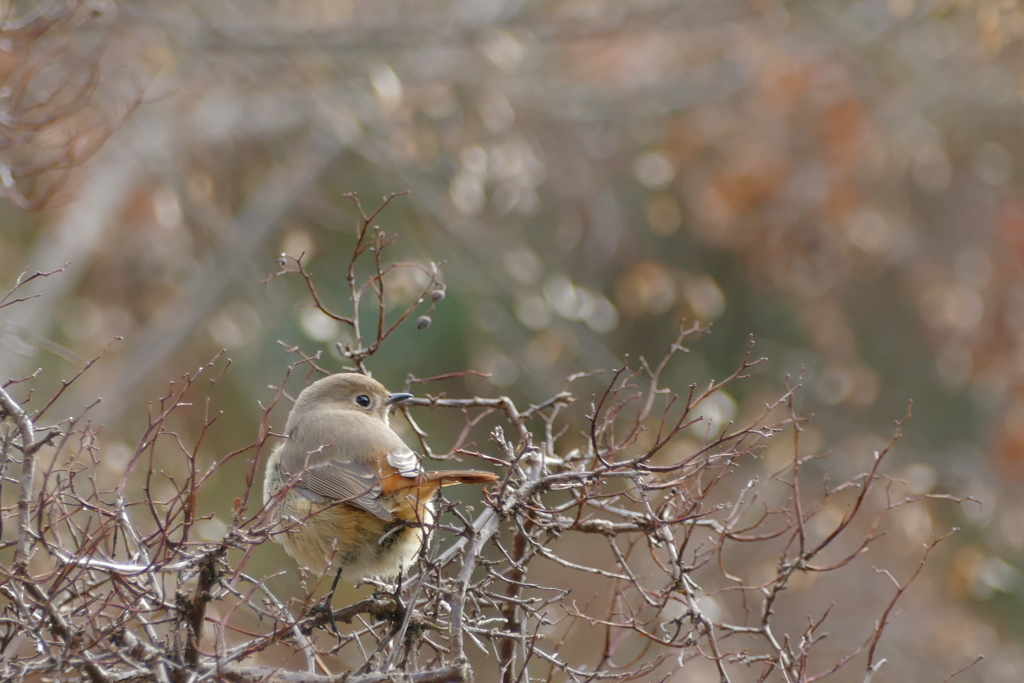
{"x": 363, "y": 400}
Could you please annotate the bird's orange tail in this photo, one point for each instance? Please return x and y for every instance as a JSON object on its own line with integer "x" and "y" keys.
{"x": 450, "y": 477}
{"x": 430, "y": 482}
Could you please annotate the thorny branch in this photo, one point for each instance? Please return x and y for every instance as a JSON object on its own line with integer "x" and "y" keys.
{"x": 26, "y": 433}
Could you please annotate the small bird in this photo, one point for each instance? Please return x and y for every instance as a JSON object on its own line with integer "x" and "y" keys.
{"x": 346, "y": 487}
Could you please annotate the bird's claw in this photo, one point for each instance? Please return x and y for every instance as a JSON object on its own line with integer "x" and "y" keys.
{"x": 323, "y": 612}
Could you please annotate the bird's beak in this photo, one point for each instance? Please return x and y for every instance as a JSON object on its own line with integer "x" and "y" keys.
{"x": 397, "y": 398}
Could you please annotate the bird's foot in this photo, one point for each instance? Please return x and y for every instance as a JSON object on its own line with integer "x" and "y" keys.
{"x": 322, "y": 614}
{"x": 388, "y": 598}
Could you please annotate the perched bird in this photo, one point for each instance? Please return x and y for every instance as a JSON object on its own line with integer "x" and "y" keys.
{"x": 346, "y": 487}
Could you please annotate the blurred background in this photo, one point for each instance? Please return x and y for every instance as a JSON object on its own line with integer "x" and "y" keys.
{"x": 840, "y": 180}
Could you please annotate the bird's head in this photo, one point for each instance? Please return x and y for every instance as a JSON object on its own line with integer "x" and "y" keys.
{"x": 350, "y": 391}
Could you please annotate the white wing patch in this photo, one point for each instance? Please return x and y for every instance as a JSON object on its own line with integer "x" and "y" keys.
{"x": 406, "y": 462}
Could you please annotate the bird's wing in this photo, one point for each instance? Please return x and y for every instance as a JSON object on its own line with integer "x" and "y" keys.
{"x": 329, "y": 473}
{"x": 331, "y": 453}
{"x": 355, "y": 483}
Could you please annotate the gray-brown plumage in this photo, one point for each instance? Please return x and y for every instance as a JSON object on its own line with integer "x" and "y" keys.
{"x": 358, "y": 495}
